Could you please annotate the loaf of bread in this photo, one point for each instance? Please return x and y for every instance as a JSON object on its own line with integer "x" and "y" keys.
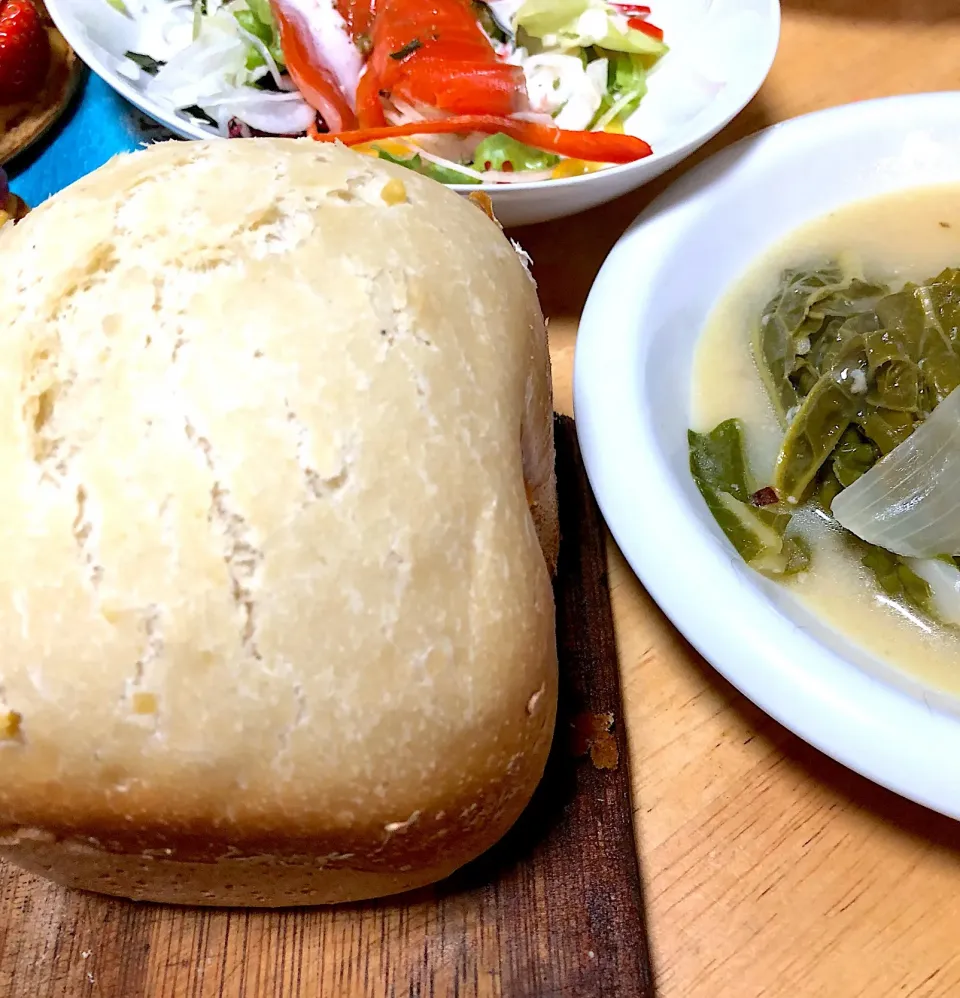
{"x": 278, "y": 527}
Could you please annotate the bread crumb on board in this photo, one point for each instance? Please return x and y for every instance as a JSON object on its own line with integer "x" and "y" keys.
{"x": 593, "y": 735}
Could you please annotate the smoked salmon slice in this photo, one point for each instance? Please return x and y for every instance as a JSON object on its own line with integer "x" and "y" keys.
{"x": 321, "y": 57}
{"x": 434, "y": 52}
{"x": 358, "y": 16}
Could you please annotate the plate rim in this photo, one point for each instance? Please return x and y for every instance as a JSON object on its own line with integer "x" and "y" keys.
{"x": 872, "y": 727}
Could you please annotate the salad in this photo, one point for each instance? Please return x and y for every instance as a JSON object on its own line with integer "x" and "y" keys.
{"x": 463, "y": 91}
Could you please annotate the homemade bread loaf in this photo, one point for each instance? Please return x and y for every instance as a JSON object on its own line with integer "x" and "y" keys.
{"x": 278, "y": 525}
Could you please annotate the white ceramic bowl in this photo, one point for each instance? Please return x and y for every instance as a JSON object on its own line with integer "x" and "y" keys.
{"x": 720, "y": 53}
{"x": 631, "y": 396}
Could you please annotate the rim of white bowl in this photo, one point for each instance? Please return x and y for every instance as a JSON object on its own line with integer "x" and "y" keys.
{"x": 185, "y": 129}
{"x": 903, "y": 742}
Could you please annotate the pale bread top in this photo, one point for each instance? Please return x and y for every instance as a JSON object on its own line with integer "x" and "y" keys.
{"x": 270, "y": 573}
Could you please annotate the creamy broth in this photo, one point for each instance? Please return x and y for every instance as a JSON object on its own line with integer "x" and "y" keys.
{"x": 906, "y": 236}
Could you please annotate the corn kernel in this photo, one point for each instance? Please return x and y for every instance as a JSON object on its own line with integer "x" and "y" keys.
{"x": 394, "y": 191}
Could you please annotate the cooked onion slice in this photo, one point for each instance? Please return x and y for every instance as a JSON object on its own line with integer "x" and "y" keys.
{"x": 943, "y": 578}
{"x": 909, "y": 502}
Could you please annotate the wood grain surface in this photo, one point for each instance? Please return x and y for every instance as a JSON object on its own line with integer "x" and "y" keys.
{"x": 554, "y": 911}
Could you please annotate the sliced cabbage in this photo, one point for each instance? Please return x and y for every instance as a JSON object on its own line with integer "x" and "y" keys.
{"x": 909, "y": 502}
{"x": 214, "y": 71}
{"x": 213, "y": 65}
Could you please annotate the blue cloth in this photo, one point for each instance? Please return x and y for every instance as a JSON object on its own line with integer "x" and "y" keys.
{"x": 98, "y": 124}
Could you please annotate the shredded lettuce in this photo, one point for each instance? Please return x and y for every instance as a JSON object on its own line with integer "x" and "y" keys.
{"x": 627, "y": 78}
{"x": 626, "y": 87}
{"x": 496, "y": 151}
{"x": 257, "y": 20}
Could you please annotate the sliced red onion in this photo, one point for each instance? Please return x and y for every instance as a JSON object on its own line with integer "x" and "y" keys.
{"x": 236, "y": 129}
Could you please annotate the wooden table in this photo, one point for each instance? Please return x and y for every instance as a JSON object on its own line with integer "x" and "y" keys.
{"x": 770, "y": 870}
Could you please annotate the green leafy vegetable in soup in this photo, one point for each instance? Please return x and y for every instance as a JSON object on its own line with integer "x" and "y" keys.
{"x": 854, "y": 369}
{"x": 757, "y": 531}
{"x": 836, "y": 352}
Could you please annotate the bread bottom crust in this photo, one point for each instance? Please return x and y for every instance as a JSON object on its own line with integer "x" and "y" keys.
{"x": 254, "y": 882}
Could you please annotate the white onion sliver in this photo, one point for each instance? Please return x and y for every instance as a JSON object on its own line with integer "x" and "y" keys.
{"x": 250, "y": 97}
{"x": 537, "y": 117}
{"x": 451, "y": 164}
{"x": 279, "y": 114}
{"x": 278, "y": 121}
{"x": 944, "y": 583}
{"x": 401, "y": 112}
{"x": 909, "y": 502}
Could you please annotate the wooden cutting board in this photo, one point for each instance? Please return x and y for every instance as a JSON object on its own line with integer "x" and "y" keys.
{"x": 554, "y": 911}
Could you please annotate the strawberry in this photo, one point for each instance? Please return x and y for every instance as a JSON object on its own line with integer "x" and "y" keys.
{"x": 24, "y": 51}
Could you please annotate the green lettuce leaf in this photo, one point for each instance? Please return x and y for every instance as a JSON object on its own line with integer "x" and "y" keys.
{"x": 495, "y": 151}
{"x": 626, "y": 87}
{"x": 258, "y": 21}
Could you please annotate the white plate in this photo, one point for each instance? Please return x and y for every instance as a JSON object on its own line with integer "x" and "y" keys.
{"x": 631, "y": 398}
{"x": 720, "y": 53}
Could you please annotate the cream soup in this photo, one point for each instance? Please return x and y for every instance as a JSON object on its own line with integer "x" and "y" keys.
{"x": 910, "y": 236}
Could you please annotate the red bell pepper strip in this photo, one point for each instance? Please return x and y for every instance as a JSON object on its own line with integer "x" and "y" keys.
{"x": 639, "y": 24}
{"x": 315, "y": 82}
{"x": 594, "y": 147}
